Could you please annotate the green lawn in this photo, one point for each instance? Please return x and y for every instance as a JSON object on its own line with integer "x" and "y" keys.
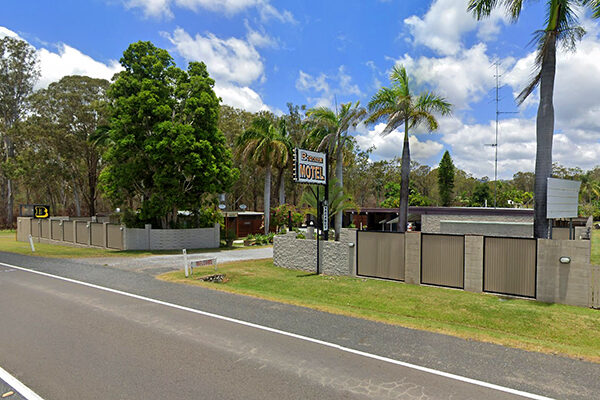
{"x": 9, "y": 243}
{"x": 595, "y": 247}
{"x": 530, "y": 325}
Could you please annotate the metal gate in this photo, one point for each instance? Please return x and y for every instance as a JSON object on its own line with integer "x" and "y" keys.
{"x": 509, "y": 266}
{"x": 380, "y": 254}
{"x": 443, "y": 260}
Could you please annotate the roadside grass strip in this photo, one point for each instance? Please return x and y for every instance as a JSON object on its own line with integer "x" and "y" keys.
{"x": 524, "y": 324}
{"x": 9, "y": 244}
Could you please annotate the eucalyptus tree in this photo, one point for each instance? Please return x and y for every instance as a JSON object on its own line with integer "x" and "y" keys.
{"x": 268, "y": 146}
{"x": 18, "y": 73}
{"x": 68, "y": 115}
{"x": 329, "y": 130}
{"x": 399, "y": 107}
{"x": 561, "y": 27}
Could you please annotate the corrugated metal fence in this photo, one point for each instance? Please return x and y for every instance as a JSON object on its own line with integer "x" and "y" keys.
{"x": 443, "y": 260}
{"x": 380, "y": 254}
{"x": 509, "y": 266}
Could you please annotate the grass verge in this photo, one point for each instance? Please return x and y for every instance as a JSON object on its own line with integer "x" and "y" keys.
{"x": 524, "y": 324}
{"x": 9, "y": 244}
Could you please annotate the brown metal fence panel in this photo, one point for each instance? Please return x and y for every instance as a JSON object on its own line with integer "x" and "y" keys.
{"x": 46, "y": 228}
{"x": 56, "y": 230}
{"x": 443, "y": 260}
{"x": 115, "y": 237}
{"x": 82, "y": 232}
{"x": 97, "y": 234}
{"x": 380, "y": 255}
{"x": 68, "y": 231}
{"x": 509, "y": 266}
{"x": 35, "y": 228}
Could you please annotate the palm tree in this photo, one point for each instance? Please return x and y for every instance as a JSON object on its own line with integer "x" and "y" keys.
{"x": 330, "y": 129}
{"x": 562, "y": 27}
{"x": 398, "y": 106}
{"x": 269, "y": 147}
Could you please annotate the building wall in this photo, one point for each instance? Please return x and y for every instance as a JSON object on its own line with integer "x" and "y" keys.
{"x": 490, "y": 225}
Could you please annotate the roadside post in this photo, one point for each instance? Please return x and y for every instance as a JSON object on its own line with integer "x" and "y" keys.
{"x": 310, "y": 167}
{"x": 185, "y": 263}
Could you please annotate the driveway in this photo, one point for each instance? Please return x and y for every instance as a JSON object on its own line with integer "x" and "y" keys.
{"x": 155, "y": 265}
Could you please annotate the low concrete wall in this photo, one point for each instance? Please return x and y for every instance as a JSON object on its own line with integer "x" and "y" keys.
{"x": 337, "y": 258}
{"x": 570, "y": 283}
{"x": 105, "y": 235}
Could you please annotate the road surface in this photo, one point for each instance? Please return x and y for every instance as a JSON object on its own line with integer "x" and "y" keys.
{"x": 71, "y": 341}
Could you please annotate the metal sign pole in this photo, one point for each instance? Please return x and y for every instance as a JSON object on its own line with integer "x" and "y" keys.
{"x": 326, "y": 230}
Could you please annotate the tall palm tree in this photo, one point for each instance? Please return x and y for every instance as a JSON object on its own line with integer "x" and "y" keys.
{"x": 398, "y": 106}
{"x": 331, "y": 131}
{"x": 269, "y": 147}
{"x": 562, "y": 27}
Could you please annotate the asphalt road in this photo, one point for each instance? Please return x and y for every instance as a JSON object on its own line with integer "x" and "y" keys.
{"x": 75, "y": 342}
{"x": 61, "y": 336}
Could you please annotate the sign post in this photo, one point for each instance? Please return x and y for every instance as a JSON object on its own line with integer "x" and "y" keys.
{"x": 311, "y": 167}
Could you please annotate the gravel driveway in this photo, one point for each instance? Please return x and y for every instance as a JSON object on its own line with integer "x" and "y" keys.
{"x": 155, "y": 265}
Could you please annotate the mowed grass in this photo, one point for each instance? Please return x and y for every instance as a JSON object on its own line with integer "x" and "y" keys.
{"x": 595, "y": 247}
{"x": 8, "y": 243}
{"x": 524, "y": 324}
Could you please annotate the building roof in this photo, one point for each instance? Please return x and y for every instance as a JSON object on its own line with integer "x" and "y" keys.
{"x": 452, "y": 211}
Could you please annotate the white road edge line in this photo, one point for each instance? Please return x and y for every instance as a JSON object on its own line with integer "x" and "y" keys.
{"x": 18, "y": 386}
{"x": 294, "y": 335}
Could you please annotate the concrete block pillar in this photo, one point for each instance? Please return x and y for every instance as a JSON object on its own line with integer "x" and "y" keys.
{"x": 105, "y": 234}
{"x": 75, "y": 231}
{"x": 148, "y": 228}
{"x": 217, "y": 233}
{"x": 474, "y": 263}
{"x": 88, "y": 227}
{"x": 412, "y": 258}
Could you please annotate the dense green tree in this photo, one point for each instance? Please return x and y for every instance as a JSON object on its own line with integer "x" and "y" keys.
{"x": 562, "y": 27}
{"x": 166, "y": 149}
{"x": 481, "y": 195}
{"x": 332, "y": 129}
{"x": 67, "y": 116}
{"x": 398, "y": 106}
{"x": 268, "y": 146}
{"x": 446, "y": 179}
{"x": 18, "y": 73}
{"x": 393, "y": 193}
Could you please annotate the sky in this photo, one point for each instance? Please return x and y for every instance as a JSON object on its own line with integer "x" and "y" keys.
{"x": 264, "y": 54}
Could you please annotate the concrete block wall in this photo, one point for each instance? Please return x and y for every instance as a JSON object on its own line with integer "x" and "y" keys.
{"x": 564, "y": 283}
{"x": 473, "y": 263}
{"x": 412, "y": 258}
{"x": 337, "y": 258}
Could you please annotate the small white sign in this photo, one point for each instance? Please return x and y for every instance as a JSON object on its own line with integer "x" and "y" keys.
{"x": 563, "y": 198}
{"x": 325, "y": 216}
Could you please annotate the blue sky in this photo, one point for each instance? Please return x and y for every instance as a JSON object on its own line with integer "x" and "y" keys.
{"x": 264, "y": 54}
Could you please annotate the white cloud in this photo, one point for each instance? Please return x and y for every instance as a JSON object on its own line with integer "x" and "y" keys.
{"x": 234, "y": 63}
{"x": 445, "y": 22}
{"x": 65, "y": 61}
{"x": 463, "y": 78}
{"x": 163, "y": 8}
{"x": 325, "y": 87}
{"x": 4, "y": 32}
{"x": 231, "y": 60}
{"x": 70, "y": 61}
{"x": 240, "y": 97}
{"x": 390, "y": 146}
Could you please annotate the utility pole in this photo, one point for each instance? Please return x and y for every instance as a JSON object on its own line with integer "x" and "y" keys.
{"x": 495, "y": 144}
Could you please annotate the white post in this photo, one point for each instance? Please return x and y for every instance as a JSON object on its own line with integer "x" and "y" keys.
{"x": 31, "y": 243}
{"x": 185, "y": 263}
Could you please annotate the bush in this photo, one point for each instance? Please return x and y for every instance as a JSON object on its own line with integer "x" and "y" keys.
{"x": 280, "y": 216}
